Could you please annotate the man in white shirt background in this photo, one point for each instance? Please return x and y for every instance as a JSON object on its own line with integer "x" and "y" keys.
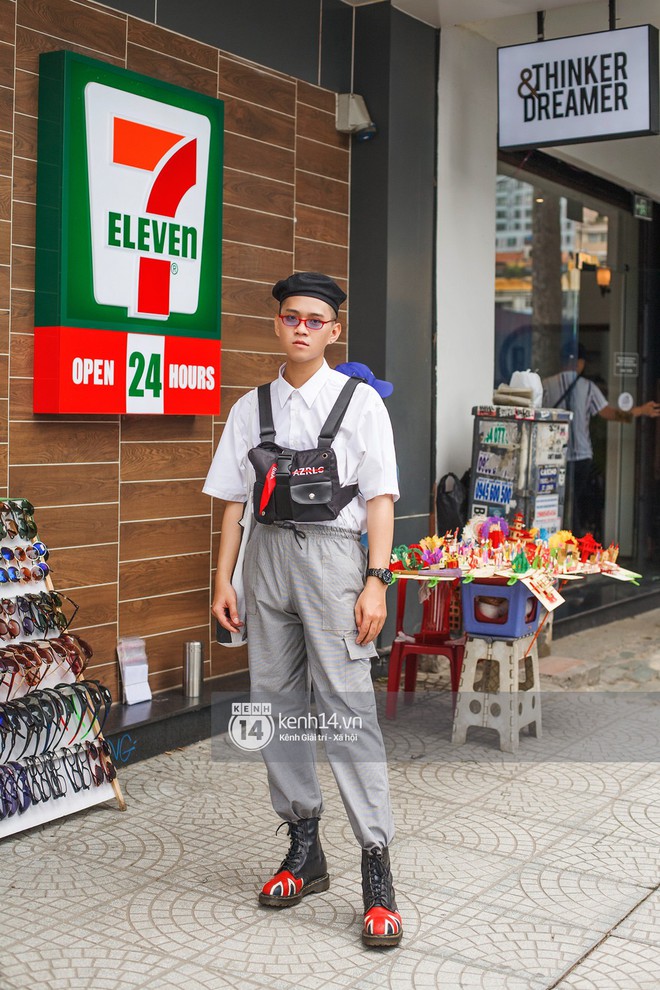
{"x": 570, "y": 390}
{"x": 315, "y": 604}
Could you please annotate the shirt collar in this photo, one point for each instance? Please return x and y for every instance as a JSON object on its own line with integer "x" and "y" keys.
{"x": 309, "y": 391}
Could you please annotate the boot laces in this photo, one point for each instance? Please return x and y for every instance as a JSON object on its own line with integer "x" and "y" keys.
{"x": 292, "y": 859}
{"x": 378, "y": 876}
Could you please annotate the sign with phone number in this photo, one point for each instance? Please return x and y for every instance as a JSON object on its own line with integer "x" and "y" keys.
{"x": 117, "y": 372}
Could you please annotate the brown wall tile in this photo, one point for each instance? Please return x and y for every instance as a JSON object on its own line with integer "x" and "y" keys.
{"x": 5, "y": 242}
{"x": 253, "y": 192}
{"x": 248, "y": 155}
{"x": 6, "y": 109}
{"x": 60, "y": 443}
{"x": 31, "y": 44}
{"x": 158, "y": 615}
{"x": 171, "y": 70}
{"x": 244, "y": 333}
{"x": 6, "y": 143}
{"x": 23, "y": 224}
{"x": 78, "y": 525}
{"x": 25, "y": 136}
{"x": 5, "y": 197}
{"x": 262, "y": 229}
{"x": 258, "y": 122}
{"x": 314, "y": 256}
{"x": 163, "y": 500}
{"x": 144, "y": 540}
{"x": 7, "y": 20}
{"x": 321, "y": 225}
{"x": 160, "y": 40}
{"x": 6, "y": 64}
{"x": 66, "y": 484}
{"x": 165, "y": 575}
{"x": 165, "y": 428}
{"x": 25, "y": 180}
{"x": 27, "y": 93}
{"x": 4, "y": 331}
{"x": 249, "y": 262}
{"x": 320, "y": 126}
{"x": 228, "y": 396}
{"x": 80, "y": 25}
{"x": 98, "y": 605}
{"x": 251, "y": 369}
{"x": 247, "y": 298}
{"x": 316, "y": 190}
{"x": 322, "y": 159}
{"x": 102, "y": 639}
{"x": 142, "y": 461}
{"x": 84, "y": 566}
{"x": 256, "y": 86}
{"x": 314, "y": 96}
{"x": 23, "y": 268}
{"x": 227, "y": 661}
{"x": 165, "y": 655}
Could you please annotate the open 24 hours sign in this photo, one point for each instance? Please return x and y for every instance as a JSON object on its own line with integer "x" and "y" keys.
{"x": 129, "y": 196}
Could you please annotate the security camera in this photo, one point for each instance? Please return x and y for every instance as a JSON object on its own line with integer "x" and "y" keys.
{"x": 352, "y": 116}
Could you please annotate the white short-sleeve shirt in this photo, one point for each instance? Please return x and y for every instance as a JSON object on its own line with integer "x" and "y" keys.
{"x": 364, "y": 445}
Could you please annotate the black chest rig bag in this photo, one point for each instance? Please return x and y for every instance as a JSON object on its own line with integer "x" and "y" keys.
{"x": 299, "y": 485}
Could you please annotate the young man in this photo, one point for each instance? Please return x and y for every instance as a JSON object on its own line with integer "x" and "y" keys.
{"x": 314, "y": 603}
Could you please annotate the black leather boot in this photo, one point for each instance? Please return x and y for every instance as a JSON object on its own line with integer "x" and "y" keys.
{"x": 303, "y": 870}
{"x": 382, "y": 922}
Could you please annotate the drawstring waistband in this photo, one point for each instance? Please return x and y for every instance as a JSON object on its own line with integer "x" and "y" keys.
{"x": 298, "y": 533}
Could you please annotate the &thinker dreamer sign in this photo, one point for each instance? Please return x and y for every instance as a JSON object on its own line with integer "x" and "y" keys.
{"x": 589, "y": 87}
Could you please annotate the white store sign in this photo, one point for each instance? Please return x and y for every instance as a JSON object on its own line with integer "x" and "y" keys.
{"x": 584, "y": 88}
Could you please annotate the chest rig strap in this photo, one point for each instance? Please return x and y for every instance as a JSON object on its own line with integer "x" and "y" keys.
{"x": 330, "y": 428}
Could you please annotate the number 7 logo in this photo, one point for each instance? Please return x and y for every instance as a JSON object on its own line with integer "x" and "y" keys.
{"x": 140, "y": 146}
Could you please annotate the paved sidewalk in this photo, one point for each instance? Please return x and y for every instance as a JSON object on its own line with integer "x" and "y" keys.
{"x": 523, "y": 873}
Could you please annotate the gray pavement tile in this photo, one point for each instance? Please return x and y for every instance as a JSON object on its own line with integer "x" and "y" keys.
{"x": 617, "y": 964}
{"x": 643, "y": 924}
{"x": 579, "y": 899}
{"x": 520, "y": 800}
{"x": 529, "y": 947}
{"x": 607, "y": 851}
{"x": 413, "y": 967}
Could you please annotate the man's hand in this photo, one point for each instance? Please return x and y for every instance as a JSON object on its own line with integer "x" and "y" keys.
{"x": 370, "y": 611}
{"x": 224, "y": 607}
{"x": 649, "y": 408}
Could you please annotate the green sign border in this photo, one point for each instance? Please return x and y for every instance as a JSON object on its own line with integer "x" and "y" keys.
{"x": 64, "y": 284}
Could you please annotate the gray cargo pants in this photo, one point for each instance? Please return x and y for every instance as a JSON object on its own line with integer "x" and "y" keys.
{"x": 300, "y": 596}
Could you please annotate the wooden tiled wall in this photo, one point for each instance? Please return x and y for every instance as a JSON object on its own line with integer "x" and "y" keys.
{"x": 118, "y": 499}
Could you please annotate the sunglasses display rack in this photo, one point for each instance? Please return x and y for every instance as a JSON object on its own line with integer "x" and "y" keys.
{"x": 53, "y": 758}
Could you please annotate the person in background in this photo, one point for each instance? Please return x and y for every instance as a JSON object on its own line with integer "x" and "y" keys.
{"x": 570, "y": 390}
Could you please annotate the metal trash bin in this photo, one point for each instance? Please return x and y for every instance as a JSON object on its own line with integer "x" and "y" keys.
{"x": 193, "y": 669}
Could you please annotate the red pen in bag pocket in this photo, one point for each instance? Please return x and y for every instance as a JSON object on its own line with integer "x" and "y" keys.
{"x": 269, "y": 486}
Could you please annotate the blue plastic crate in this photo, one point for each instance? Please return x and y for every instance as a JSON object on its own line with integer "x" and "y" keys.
{"x": 491, "y": 607}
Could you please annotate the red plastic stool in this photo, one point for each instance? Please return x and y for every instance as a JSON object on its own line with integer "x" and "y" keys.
{"x": 433, "y": 638}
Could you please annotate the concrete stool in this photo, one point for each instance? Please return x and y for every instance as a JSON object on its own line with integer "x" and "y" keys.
{"x": 492, "y": 694}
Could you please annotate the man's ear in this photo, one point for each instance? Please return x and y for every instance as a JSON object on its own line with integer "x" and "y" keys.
{"x": 276, "y": 324}
{"x": 335, "y": 332}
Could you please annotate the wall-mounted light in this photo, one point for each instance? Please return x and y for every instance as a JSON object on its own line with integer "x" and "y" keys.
{"x": 352, "y": 116}
{"x": 604, "y": 278}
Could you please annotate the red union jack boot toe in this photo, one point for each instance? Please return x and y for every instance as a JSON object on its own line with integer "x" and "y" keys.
{"x": 382, "y": 922}
{"x": 303, "y": 870}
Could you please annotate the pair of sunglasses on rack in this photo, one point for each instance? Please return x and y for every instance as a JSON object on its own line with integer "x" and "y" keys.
{"x": 33, "y": 660}
{"x": 44, "y": 719}
{"x": 37, "y": 572}
{"x": 34, "y": 612}
{"x": 33, "y": 551}
{"x": 40, "y": 778}
{"x": 17, "y": 519}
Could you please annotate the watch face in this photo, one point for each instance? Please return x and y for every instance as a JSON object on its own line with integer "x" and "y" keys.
{"x": 387, "y": 575}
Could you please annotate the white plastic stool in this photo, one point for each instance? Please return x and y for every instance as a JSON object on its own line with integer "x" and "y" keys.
{"x": 492, "y": 694}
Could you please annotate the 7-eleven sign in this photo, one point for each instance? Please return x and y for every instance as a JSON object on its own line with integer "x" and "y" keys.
{"x": 136, "y": 249}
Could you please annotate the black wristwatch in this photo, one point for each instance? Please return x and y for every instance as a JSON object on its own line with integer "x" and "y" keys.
{"x": 384, "y": 574}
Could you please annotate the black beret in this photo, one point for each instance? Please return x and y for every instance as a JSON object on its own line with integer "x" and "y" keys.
{"x": 312, "y": 284}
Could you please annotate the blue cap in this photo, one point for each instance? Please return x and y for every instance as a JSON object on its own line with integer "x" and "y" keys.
{"x": 353, "y": 369}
